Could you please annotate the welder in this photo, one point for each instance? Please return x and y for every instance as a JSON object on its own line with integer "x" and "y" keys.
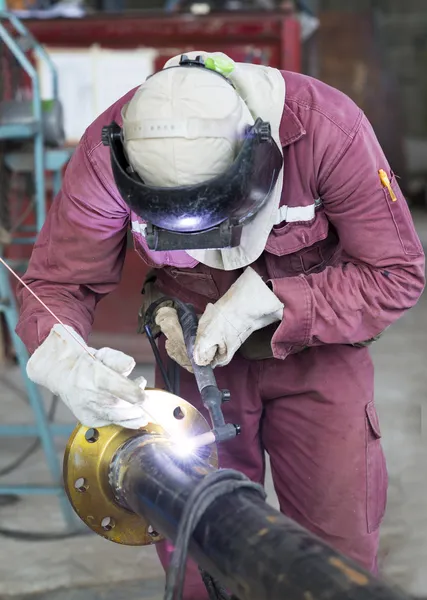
{"x": 264, "y": 199}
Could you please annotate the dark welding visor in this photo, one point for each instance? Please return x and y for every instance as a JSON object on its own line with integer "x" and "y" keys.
{"x": 207, "y": 215}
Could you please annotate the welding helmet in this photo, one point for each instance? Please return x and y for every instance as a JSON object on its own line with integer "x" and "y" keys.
{"x": 196, "y": 171}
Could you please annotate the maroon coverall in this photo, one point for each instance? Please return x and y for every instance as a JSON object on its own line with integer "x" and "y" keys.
{"x": 346, "y": 262}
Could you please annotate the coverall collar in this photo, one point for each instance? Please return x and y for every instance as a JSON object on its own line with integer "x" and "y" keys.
{"x": 291, "y": 129}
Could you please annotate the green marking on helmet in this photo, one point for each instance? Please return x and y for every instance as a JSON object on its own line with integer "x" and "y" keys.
{"x": 220, "y": 65}
{"x": 47, "y": 105}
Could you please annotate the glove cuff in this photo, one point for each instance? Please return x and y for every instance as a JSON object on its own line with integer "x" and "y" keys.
{"x": 43, "y": 367}
{"x": 68, "y": 334}
{"x": 260, "y": 299}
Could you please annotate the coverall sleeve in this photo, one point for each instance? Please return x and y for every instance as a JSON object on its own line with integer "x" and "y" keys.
{"x": 381, "y": 274}
{"x": 79, "y": 254}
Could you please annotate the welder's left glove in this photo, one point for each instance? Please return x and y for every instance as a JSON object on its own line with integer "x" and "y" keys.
{"x": 248, "y": 305}
{"x": 167, "y": 320}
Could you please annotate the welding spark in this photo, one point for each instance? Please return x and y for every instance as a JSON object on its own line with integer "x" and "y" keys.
{"x": 185, "y": 446}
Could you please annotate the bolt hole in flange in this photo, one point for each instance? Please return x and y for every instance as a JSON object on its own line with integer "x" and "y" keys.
{"x": 178, "y": 413}
{"x": 91, "y": 435}
{"x": 80, "y": 484}
{"x": 107, "y": 523}
{"x": 152, "y": 532}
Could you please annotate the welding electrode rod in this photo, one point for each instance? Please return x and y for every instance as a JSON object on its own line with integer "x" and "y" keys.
{"x": 40, "y": 301}
{"x": 68, "y": 331}
{"x": 249, "y": 547}
{"x": 204, "y": 439}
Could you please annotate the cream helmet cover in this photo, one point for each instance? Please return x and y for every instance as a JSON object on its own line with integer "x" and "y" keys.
{"x": 206, "y": 121}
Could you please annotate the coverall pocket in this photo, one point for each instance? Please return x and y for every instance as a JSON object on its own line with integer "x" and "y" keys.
{"x": 301, "y": 248}
{"x": 376, "y": 471}
{"x": 194, "y": 281}
{"x": 312, "y": 259}
{"x": 292, "y": 237}
{"x": 402, "y": 218}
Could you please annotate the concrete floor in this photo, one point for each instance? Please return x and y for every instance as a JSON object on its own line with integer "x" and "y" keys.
{"x": 89, "y": 567}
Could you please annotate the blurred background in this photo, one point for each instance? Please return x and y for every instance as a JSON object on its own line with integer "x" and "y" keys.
{"x": 61, "y": 64}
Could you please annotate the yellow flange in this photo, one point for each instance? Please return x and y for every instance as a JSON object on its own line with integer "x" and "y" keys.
{"x": 87, "y": 460}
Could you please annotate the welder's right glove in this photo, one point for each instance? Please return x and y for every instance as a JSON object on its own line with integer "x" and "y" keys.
{"x": 248, "y": 305}
{"x": 167, "y": 320}
{"x": 97, "y": 391}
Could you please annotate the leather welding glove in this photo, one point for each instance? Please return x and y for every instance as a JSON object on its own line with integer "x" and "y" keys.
{"x": 96, "y": 391}
{"x": 167, "y": 320}
{"x": 247, "y": 306}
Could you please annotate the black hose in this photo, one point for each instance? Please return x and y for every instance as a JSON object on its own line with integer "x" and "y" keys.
{"x": 158, "y": 358}
{"x": 214, "y": 485}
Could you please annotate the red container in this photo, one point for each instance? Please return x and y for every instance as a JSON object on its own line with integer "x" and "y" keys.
{"x": 267, "y": 38}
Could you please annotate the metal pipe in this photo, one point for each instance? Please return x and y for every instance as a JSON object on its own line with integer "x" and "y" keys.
{"x": 249, "y": 547}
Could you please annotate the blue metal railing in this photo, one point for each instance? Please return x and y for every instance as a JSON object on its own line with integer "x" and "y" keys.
{"x": 15, "y": 36}
{"x": 20, "y": 131}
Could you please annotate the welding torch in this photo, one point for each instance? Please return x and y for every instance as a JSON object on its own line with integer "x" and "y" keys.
{"x": 212, "y": 397}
